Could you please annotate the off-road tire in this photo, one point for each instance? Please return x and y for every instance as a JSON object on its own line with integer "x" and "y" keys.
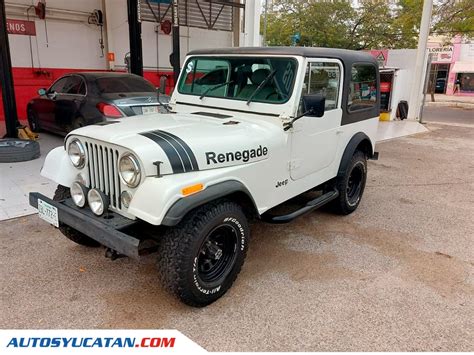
{"x": 181, "y": 251}
{"x": 347, "y": 203}
{"x": 62, "y": 193}
{"x": 14, "y": 150}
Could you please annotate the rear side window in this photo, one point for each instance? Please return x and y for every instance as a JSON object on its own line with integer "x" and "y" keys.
{"x": 114, "y": 85}
{"x": 73, "y": 86}
{"x": 363, "y": 87}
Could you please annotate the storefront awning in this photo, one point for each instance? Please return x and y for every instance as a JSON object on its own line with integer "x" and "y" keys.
{"x": 463, "y": 67}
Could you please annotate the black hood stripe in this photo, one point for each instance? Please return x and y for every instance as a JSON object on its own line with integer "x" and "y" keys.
{"x": 171, "y": 153}
{"x": 179, "y": 154}
{"x": 188, "y": 150}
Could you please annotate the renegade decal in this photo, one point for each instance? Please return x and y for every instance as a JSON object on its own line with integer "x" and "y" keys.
{"x": 179, "y": 154}
{"x": 244, "y": 155}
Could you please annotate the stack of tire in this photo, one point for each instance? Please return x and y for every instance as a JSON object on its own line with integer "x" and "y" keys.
{"x": 14, "y": 150}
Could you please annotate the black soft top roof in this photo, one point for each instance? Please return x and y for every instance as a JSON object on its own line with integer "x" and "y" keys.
{"x": 342, "y": 54}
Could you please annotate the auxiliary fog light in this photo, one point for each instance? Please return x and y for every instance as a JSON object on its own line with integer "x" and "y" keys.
{"x": 98, "y": 202}
{"x": 79, "y": 194}
{"x": 126, "y": 198}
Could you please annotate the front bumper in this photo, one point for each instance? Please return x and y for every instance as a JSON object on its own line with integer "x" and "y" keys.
{"x": 107, "y": 229}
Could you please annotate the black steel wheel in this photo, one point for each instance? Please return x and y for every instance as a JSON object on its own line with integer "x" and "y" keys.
{"x": 351, "y": 185}
{"x": 200, "y": 258}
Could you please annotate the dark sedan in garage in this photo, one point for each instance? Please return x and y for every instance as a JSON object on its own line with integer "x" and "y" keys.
{"x": 84, "y": 98}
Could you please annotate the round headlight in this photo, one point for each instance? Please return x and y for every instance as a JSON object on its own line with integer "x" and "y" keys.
{"x": 78, "y": 194}
{"x": 98, "y": 202}
{"x": 76, "y": 153}
{"x": 129, "y": 170}
{"x": 126, "y": 198}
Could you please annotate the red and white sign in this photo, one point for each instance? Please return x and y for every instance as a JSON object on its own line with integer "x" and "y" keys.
{"x": 21, "y": 27}
{"x": 381, "y": 56}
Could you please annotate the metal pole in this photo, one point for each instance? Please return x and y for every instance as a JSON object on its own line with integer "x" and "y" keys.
{"x": 417, "y": 87}
{"x": 175, "y": 57}
{"x": 135, "y": 37}
{"x": 6, "y": 77}
{"x": 425, "y": 91}
{"x": 265, "y": 24}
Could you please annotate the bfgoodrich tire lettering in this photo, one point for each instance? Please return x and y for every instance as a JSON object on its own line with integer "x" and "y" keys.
{"x": 351, "y": 185}
{"x": 200, "y": 258}
{"x": 62, "y": 193}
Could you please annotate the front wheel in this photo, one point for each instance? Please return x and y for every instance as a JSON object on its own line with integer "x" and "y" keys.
{"x": 351, "y": 185}
{"x": 201, "y": 257}
{"x": 33, "y": 121}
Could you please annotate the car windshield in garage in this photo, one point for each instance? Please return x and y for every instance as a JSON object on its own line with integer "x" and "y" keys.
{"x": 113, "y": 85}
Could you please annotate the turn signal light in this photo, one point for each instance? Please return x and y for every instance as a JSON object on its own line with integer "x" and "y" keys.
{"x": 188, "y": 190}
{"x": 109, "y": 110}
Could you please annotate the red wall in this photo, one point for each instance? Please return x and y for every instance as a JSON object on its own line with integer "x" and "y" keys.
{"x": 27, "y": 81}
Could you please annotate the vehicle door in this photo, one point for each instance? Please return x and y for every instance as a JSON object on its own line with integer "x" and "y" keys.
{"x": 315, "y": 140}
{"x": 45, "y": 104}
{"x": 68, "y": 103}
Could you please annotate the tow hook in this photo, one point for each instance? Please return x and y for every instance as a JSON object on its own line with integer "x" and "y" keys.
{"x": 112, "y": 254}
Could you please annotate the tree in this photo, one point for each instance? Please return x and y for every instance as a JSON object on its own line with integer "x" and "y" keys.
{"x": 372, "y": 24}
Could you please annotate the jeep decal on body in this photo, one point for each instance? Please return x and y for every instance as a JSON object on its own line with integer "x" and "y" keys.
{"x": 244, "y": 155}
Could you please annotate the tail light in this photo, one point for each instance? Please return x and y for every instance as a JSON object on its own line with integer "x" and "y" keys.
{"x": 109, "y": 110}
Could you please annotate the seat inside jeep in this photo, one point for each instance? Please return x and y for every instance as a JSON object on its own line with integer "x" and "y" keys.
{"x": 248, "y": 87}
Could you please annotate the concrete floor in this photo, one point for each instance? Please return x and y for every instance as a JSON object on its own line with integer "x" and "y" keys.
{"x": 398, "y": 274}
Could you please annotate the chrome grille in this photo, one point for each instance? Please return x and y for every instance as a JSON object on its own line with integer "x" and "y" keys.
{"x": 102, "y": 169}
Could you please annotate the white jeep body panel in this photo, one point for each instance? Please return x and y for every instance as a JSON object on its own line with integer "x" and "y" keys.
{"x": 249, "y": 146}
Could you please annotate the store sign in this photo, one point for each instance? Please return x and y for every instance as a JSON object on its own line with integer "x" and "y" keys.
{"x": 20, "y": 27}
{"x": 381, "y": 56}
{"x": 441, "y": 54}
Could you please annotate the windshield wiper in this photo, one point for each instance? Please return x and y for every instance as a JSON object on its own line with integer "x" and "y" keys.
{"x": 212, "y": 88}
{"x": 260, "y": 87}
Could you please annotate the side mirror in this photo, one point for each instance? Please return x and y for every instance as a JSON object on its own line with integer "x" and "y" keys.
{"x": 313, "y": 105}
{"x": 162, "y": 88}
{"x": 42, "y": 92}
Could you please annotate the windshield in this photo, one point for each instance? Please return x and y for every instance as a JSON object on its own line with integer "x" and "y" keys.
{"x": 122, "y": 84}
{"x": 238, "y": 78}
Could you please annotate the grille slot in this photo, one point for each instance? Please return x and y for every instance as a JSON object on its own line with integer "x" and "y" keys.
{"x": 103, "y": 173}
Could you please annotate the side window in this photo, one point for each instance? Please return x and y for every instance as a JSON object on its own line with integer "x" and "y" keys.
{"x": 72, "y": 85}
{"x": 363, "y": 87}
{"x": 323, "y": 78}
{"x": 59, "y": 85}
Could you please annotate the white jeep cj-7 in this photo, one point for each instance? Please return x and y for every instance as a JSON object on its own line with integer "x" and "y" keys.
{"x": 248, "y": 129}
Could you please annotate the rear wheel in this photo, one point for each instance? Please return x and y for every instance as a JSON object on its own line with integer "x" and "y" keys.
{"x": 62, "y": 193}
{"x": 201, "y": 257}
{"x": 351, "y": 185}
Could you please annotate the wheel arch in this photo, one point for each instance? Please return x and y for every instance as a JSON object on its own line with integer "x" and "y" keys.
{"x": 359, "y": 141}
{"x": 232, "y": 189}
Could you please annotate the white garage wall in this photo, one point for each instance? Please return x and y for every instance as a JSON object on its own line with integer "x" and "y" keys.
{"x": 70, "y": 44}
{"x": 190, "y": 38}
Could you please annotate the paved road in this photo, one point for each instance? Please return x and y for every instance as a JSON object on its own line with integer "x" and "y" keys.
{"x": 397, "y": 275}
{"x": 448, "y": 115}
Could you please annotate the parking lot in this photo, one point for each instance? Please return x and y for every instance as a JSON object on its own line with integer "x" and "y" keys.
{"x": 398, "y": 274}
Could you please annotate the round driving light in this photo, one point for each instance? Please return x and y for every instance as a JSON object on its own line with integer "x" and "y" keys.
{"x": 126, "y": 198}
{"x": 129, "y": 170}
{"x": 78, "y": 194}
{"x": 76, "y": 153}
{"x": 98, "y": 202}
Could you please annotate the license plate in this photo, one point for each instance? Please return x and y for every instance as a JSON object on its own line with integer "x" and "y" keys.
{"x": 48, "y": 212}
{"x": 148, "y": 110}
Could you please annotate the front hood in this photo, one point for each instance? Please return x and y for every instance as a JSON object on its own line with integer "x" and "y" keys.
{"x": 189, "y": 142}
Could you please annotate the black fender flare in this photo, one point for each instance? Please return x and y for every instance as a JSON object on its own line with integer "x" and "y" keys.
{"x": 359, "y": 139}
{"x": 184, "y": 205}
